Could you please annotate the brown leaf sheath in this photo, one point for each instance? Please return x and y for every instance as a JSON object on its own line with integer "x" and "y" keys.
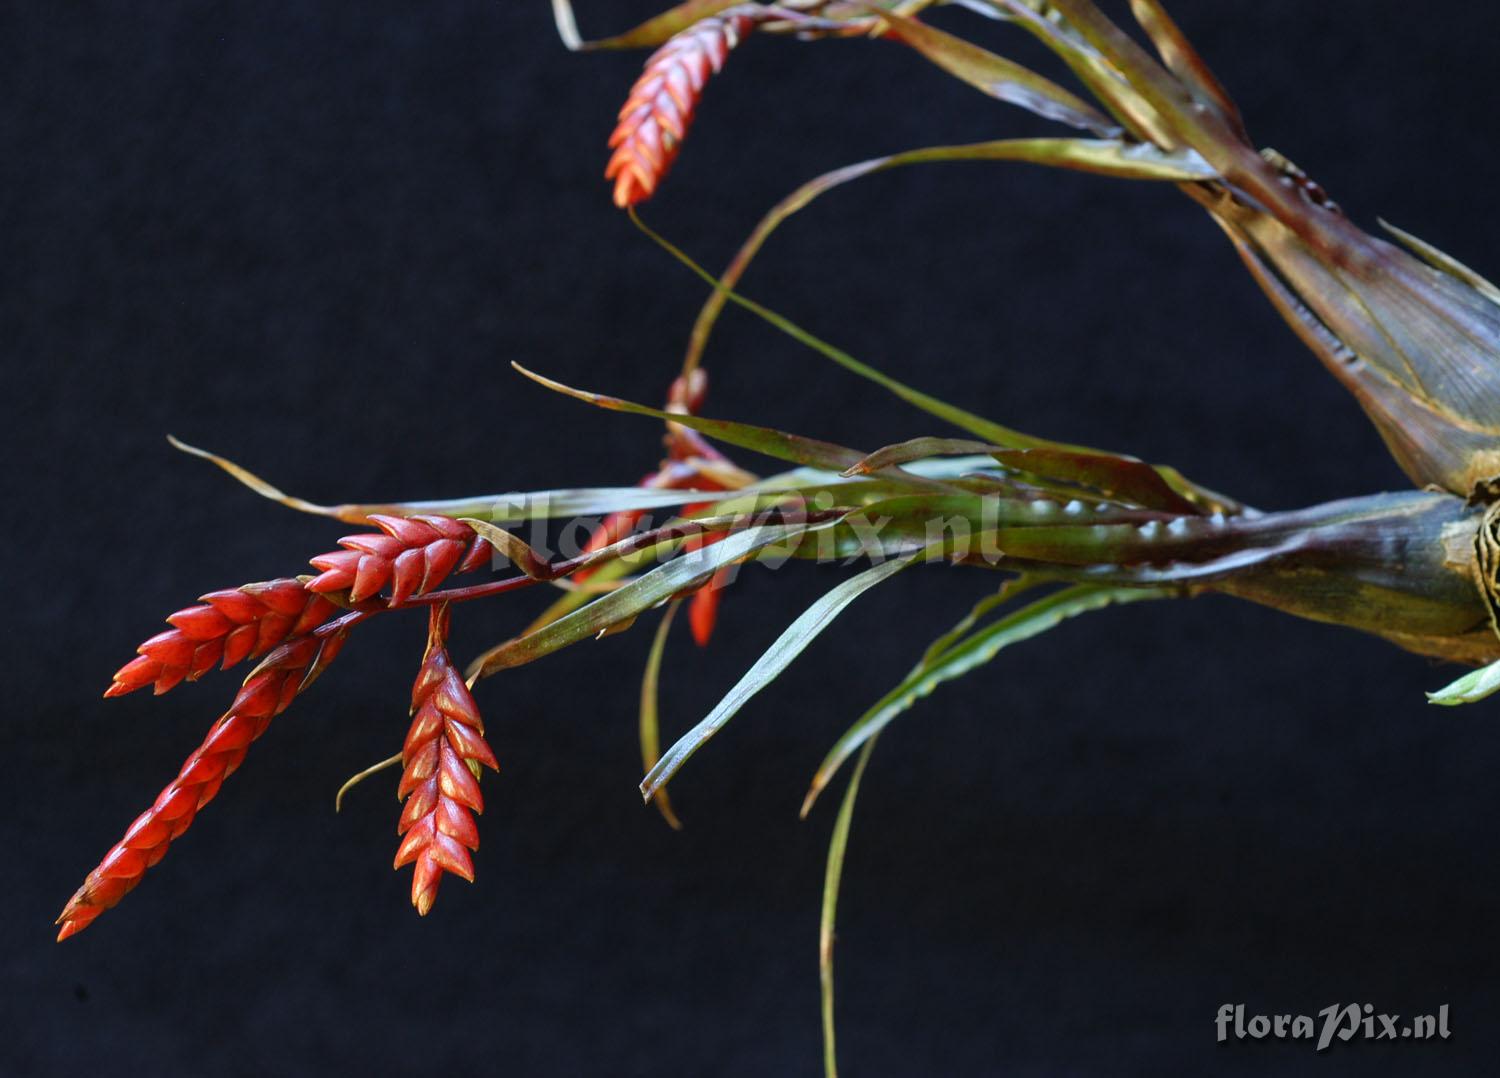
{"x": 444, "y": 751}
{"x": 231, "y": 625}
{"x": 659, "y": 110}
{"x": 411, "y": 554}
{"x": 265, "y": 694}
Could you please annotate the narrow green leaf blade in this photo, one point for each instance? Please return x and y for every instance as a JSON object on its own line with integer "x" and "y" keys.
{"x": 1031, "y": 620}
{"x": 1469, "y": 689}
{"x": 1007, "y": 591}
{"x": 833, "y": 874}
{"x": 767, "y": 668}
{"x": 1108, "y": 157}
{"x": 633, "y": 598}
{"x": 654, "y": 31}
{"x": 773, "y": 443}
{"x": 1002, "y": 79}
{"x": 650, "y": 719}
{"x": 504, "y": 508}
{"x": 987, "y": 429}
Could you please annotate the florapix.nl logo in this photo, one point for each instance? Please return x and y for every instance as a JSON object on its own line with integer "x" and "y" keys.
{"x": 1335, "y": 1022}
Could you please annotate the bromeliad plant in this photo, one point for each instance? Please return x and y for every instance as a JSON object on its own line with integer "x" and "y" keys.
{"x": 1065, "y": 529}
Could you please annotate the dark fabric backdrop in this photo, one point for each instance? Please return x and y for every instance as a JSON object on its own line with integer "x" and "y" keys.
{"x": 313, "y": 235}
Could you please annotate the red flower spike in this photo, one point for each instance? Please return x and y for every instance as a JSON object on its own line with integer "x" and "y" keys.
{"x": 232, "y": 625}
{"x": 441, "y": 762}
{"x": 656, "y": 116}
{"x": 411, "y": 554}
{"x": 268, "y": 690}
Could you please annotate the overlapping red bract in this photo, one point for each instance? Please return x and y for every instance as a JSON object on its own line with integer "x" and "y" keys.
{"x": 265, "y": 694}
{"x": 444, "y": 751}
{"x": 411, "y": 554}
{"x": 655, "y": 117}
{"x": 301, "y": 621}
{"x": 231, "y": 625}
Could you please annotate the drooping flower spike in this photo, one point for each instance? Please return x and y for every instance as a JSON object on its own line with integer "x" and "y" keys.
{"x": 411, "y": 555}
{"x": 656, "y": 116}
{"x": 441, "y": 762}
{"x": 266, "y": 693}
{"x": 231, "y": 625}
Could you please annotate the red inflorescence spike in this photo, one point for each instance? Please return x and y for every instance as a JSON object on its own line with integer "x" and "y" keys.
{"x": 441, "y": 760}
{"x": 411, "y": 555}
{"x": 659, "y": 110}
{"x": 268, "y": 690}
{"x": 232, "y": 625}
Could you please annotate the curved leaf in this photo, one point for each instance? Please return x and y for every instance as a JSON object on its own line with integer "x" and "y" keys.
{"x": 767, "y": 668}
{"x": 1108, "y": 157}
{"x": 833, "y": 874}
{"x": 494, "y": 508}
{"x": 1031, "y": 620}
{"x": 1471, "y": 688}
{"x": 773, "y": 443}
{"x": 650, "y": 720}
{"x": 1002, "y": 79}
{"x": 634, "y": 598}
{"x": 1199, "y": 496}
{"x": 654, "y": 31}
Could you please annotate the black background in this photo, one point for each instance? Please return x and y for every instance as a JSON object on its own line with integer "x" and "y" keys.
{"x": 313, "y": 235}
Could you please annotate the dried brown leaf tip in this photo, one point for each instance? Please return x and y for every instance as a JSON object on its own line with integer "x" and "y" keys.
{"x": 411, "y": 555}
{"x": 265, "y": 694}
{"x": 230, "y": 626}
{"x": 655, "y": 117}
{"x": 442, "y": 757}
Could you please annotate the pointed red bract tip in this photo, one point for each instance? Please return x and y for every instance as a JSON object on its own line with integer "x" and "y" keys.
{"x": 656, "y": 116}
{"x": 266, "y": 693}
{"x": 441, "y": 760}
{"x": 411, "y": 555}
{"x": 228, "y": 627}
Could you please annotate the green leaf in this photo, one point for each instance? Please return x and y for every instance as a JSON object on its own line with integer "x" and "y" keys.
{"x": 1119, "y": 478}
{"x": 494, "y": 508}
{"x": 650, "y": 723}
{"x": 959, "y": 417}
{"x": 1183, "y": 60}
{"x": 509, "y": 545}
{"x": 983, "y": 645}
{"x": 1106, "y": 157}
{"x": 1007, "y": 591}
{"x": 1444, "y": 261}
{"x": 998, "y": 77}
{"x": 767, "y": 668}
{"x": 654, "y": 31}
{"x": 833, "y": 873}
{"x": 633, "y": 598}
{"x": 773, "y": 443}
{"x": 1471, "y": 688}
